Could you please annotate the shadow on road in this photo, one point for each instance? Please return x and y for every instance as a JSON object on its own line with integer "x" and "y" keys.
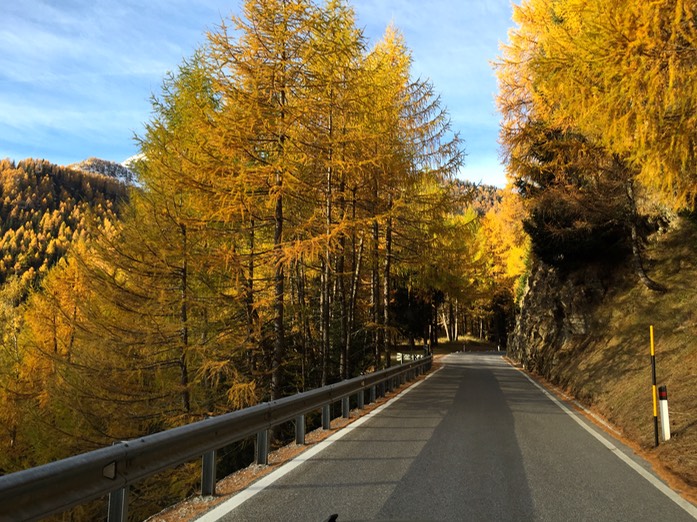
{"x": 471, "y": 467}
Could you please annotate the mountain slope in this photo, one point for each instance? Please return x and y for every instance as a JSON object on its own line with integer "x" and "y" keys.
{"x": 43, "y": 208}
{"x": 588, "y": 331}
{"x": 120, "y": 172}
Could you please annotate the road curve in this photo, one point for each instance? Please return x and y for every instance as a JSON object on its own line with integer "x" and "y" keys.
{"x": 475, "y": 441}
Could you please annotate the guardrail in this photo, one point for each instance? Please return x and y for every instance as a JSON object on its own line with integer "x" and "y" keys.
{"x": 56, "y": 487}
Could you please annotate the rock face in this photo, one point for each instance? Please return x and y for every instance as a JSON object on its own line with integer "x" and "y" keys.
{"x": 106, "y": 168}
{"x": 555, "y": 318}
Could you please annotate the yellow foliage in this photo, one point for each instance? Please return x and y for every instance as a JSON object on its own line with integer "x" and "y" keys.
{"x": 242, "y": 395}
{"x": 504, "y": 243}
{"x": 623, "y": 73}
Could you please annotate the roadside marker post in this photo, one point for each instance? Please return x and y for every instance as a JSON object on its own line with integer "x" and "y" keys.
{"x": 653, "y": 390}
{"x": 665, "y": 419}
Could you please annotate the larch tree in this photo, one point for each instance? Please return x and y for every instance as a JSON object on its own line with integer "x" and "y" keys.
{"x": 580, "y": 182}
{"x": 622, "y": 73}
{"x": 263, "y": 74}
{"x": 415, "y": 151}
{"x": 333, "y": 135}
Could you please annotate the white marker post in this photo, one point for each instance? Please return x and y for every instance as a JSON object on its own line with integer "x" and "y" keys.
{"x": 665, "y": 419}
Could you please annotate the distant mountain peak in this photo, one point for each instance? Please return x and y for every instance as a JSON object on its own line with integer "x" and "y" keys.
{"x": 132, "y": 162}
{"x": 118, "y": 171}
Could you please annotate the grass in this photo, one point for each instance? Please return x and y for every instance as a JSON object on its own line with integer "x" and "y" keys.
{"x": 610, "y": 370}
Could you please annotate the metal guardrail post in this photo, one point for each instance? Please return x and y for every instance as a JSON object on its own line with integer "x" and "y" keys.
{"x": 118, "y": 506}
{"x": 262, "y": 448}
{"x": 361, "y": 400}
{"x": 52, "y": 488}
{"x": 326, "y": 417}
{"x": 300, "y": 429}
{"x": 345, "y": 408}
{"x": 208, "y": 472}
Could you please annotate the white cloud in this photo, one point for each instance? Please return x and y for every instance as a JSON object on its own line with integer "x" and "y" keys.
{"x": 86, "y": 68}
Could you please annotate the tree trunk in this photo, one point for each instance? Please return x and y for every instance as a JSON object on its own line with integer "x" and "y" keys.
{"x": 375, "y": 297}
{"x": 636, "y": 244}
{"x": 433, "y": 328}
{"x": 326, "y": 265}
{"x": 387, "y": 277}
{"x": 358, "y": 261}
{"x": 279, "y": 333}
{"x": 184, "y": 331}
{"x": 446, "y": 326}
{"x": 249, "y": 302}
{"x": 324, "y": 321}
{"x": 344, "y": 370}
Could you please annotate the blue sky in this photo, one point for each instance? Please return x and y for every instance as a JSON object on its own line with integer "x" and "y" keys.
{"x": 76, "y": 76}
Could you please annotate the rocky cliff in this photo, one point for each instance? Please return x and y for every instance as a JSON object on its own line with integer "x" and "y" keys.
{"x": 556, "y": 316}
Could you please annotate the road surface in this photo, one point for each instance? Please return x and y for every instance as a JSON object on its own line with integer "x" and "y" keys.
{"x": 475, "y": 441}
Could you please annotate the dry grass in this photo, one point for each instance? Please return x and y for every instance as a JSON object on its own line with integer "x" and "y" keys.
{"x": 610, "y": 371}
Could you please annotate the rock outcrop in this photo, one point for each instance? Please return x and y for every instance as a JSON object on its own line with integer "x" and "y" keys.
{"x": 555, "y": 317}
{"x": 107, "y": 168}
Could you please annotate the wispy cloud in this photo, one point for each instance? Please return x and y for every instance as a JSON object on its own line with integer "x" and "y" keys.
{"x": 82, "y": 70}
{"x": 86, "y": 69}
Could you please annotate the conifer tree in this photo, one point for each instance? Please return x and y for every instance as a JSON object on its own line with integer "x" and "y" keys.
{"x": 621, "y": 73}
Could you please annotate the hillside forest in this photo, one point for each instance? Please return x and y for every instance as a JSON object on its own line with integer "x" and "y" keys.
{"x": 296, "y": 220}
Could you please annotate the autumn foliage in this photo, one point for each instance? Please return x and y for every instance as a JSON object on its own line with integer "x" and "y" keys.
{"x": 295, "y": 182}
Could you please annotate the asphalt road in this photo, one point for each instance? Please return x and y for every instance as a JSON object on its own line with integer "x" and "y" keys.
{"x": 475, "y": 441}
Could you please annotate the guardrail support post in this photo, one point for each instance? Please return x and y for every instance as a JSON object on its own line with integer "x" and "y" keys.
{"x": 262, "y": 448}
{"x": 326, "y": 417}
{"x": 118, "y": 505}
{"x": 373, "y": 395}
{"x": 300, "y": 429}
{"x": 345, "y": 408}
{"x": 361, "y": 399}
{"x": 208, "y": 471}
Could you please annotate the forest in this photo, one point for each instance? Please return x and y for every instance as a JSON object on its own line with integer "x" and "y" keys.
{"x": 296, "y": 220}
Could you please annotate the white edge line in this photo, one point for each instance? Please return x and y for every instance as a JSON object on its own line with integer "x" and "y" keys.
{"x": 266, "y": 481}
{"x": 672, "y": 495}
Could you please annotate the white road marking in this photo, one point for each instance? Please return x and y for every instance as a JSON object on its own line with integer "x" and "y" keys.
{"x": 226, "y": 507}
{"x": 672, "y": 495}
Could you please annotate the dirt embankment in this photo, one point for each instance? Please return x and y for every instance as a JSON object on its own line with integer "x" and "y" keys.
{"x": 588, "y": 332}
